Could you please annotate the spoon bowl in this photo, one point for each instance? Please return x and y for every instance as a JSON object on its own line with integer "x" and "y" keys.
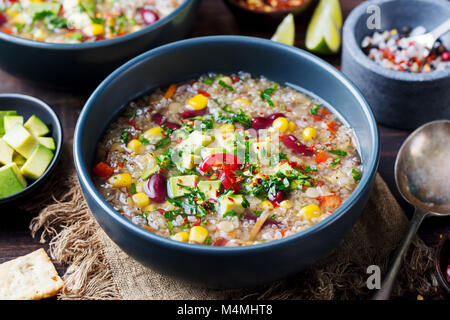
{"x": 422, "y": 169}
{"x": 422, "y": 175}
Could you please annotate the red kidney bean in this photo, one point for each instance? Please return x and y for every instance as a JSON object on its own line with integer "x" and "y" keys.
{"x": 172, "y": 125}
{"x": 158, "y": 118}
{"x": 155, "y": 188}
{"x": 261, "y": 123}
{"x": 273, "y": 116}
{"x": 277, "y": 198}
{"x": 193, "y": 113}
{"x": 296, "y": 146}
{"x": 2, "y": 19}
{"x": 265, "y": 122}
{"x": 149, "y": 16}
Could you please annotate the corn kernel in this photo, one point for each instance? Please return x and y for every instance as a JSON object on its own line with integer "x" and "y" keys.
{"x": 227, "y": 128}
{"x": 309, "y": 133}
{"x": 121, "y": 180}
{"x": 286, "y": 204}
{"x": 154, "y": 132}
{"x": 281, "y": 124}
{"x": 292, "y": 126}
{"x": 19, "y": 18}
{"x": 266, "y": 204}
{"x": 198, "y": 234}
{"x": 110, "y": 21}
{"x": 182, "y": 236}
{"x": 95, "y": 29}
{"x": 241, "y": 102}
{"x": 135, "y": 145}
{"x": 311, "y": 211}
{"x": 40, "y": 35}
{"x": 198, "y": 102}
{"x": 11, "y": 12}
{"x": 141, "y": 199}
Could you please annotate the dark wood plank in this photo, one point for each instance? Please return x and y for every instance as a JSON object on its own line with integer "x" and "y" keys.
{"x": 213, "y": 19}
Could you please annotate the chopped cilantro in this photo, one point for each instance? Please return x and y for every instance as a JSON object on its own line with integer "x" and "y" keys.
{"x": 208, "y": 81}
{"x": 162, "y": 143}
{"x": 223, "y": 84}
{"x": 142, "y": 139}
{"x": 133, "y": 188}
{"x": 338, "y": 152}
{"x": 335, "y": 162}
{"x": 314, "y": 109}
{"x": 356, "y": 175}
{"x": 124, "y": 136}
{"x": 266, "y": 95}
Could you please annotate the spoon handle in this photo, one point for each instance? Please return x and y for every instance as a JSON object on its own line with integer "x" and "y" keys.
{"x": 388, "y": 283}
{"x": 439, "y": 31}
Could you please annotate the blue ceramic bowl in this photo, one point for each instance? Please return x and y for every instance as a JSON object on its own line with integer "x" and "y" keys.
{"x": 398, "y": 99}
{"x": 217, "y": 266}
{"x": 86, "y": 64}
{"x": 26, "y": 106}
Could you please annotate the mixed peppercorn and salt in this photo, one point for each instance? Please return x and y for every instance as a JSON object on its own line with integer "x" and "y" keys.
{"x": 75, "y": 21}
{"x": 396, "y": 50}
{"x": 227, "y": 161}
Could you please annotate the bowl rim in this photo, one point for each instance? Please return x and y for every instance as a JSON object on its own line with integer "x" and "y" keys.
{"x": 358, "y": 55}
{"x": 57, "y": 153}
{"x": 89, "y": 187}
{"x": 92, "y": 45}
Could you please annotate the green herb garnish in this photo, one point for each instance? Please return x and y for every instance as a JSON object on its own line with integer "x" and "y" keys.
{"x": 162, "y": 143}
{"x": 208, "y": 81}
{"x": 338, "y": 152}
{"x": 133, "y": 188}
{"x": 314, "y": 109}
{"x": 223, "y": 84}
{"x": 356, "y": 175}
{"x": 142, "y": 139}
{"x": 335, "y": 162}
{"x": 266, "y": 95}
{"x": 124, "y": 136}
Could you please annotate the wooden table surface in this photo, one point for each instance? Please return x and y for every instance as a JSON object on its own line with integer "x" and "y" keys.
{"x": 213, "y": 19}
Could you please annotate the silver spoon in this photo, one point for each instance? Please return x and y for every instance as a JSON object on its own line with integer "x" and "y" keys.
{"x": 422, "y": 175}
{"x": 428, "y": 39}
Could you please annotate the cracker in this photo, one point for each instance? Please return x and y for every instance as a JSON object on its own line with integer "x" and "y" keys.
{"x": 30, "y": 277}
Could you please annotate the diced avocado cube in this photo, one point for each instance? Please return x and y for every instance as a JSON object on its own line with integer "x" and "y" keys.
{"x": 11, "y": 121}
{"x": 209, "y": 151}
{"x": 174, "y": 189}
{"x": 181, "y": 133}
{"x": 11, "y": 181}
{"x": 262, "y": 151}
{"x": 21, "y": 140}
{"x": 195, "y": 142}
{"x": 149, "y": 172}
{"x": 230, "y": 203}
{"x": 2, "y": 116}
{"x": 189, "y": 160}
{"x": 6, "y": 153}
{"x": 36, "y": 126}
{"x": 37, "y": 163}
{"x": 47, "y": 142}
{"x": 228, "y": 141}
{"x": 210, "y": 188}
{"x": 18, "y": 159}
{"x": 285, "y": 168}
{"x": 37, "y": 9}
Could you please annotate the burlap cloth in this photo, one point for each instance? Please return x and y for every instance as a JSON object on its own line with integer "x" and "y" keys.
{"x": 98, "y": 269}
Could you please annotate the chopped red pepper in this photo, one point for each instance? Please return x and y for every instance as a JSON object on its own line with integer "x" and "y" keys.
{"x": 103, "y": 170}
{"x": 204, "y": 93}
{"x": 224, "y": 160}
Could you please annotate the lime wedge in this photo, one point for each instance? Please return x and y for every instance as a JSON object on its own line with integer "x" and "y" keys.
{"x": 285, "y": 32}
{"x": 323, "y": 35}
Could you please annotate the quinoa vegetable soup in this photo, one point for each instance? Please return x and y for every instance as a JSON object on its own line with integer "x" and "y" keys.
{"x": 75, "y": 21}
{"x": 227, "y": 161}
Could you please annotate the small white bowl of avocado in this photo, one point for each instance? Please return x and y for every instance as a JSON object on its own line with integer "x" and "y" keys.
{"x": 30, "y": 145}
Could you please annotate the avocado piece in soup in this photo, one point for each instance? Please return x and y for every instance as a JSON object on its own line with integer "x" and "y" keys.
{"x": 210, "y": 188}
{"x": 174, "y": 185}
